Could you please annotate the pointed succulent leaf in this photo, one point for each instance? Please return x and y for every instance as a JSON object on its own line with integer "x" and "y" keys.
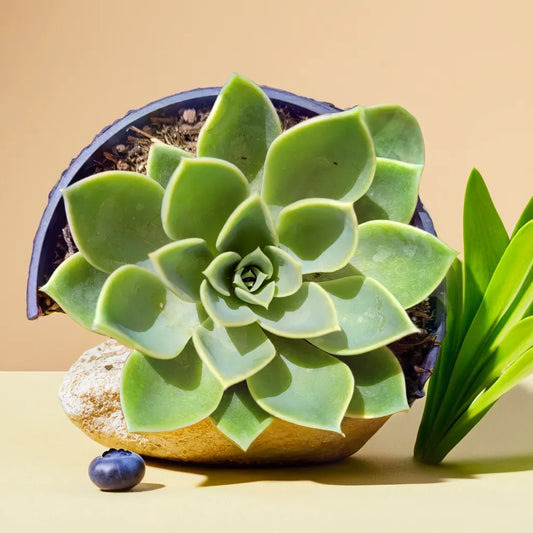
{"x": 329, "y": 156}
{"x": 244, "y": 279}
{"x": 233, "y": 354}
{"x": 287, "y": 271}
{"x": 239, "y": 417}
{"x": 163, "y": 160}
{"x": 240, "y": 128}
{"x": 393, "y": 193}
{"x": 379, "y": 385}
{"x": 180, "y": 264}
{"x": 257, "y": 258}
{"x": 303, "y": 385}
{"x": 320, "y": 234}
{"x": 138, "y": 310}
{"x": 248, "y": 227}
{"x": 396, "y": 133}
{"x": 344, "y": 272}
{"x": 75, "y": 285}
{"x": 200, "y": 196}
{"x": 369, "y": 317}
{"x": 407, "y": 261}
{"x": 225, "y": 311}
{"x": 163, "y": 395}
{"x": 220, "y": 271}
{"x": 262, "y": 297}
{"x": 309, "y": 312}
{"x": 115, "y": 218}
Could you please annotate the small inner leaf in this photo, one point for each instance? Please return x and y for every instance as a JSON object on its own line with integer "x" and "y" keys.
{"x": 165, "y": 395}
{"x": 257, "y": 258}
{"x": 221, "y": 270}
{"x": 239, "y": 417}
{"x": 262, "y": 297}
{"x": 303, "y": 385}
{"x": 163, "y": 160}
{"x": 287, "y": 271}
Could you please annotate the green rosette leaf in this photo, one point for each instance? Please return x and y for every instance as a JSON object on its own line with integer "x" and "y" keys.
{"x": 240, "y": 128}
{"x": 138, "y": 310}
{"x": 115, "y": 218}
{"x": 248, "y": 227}
{"x": 239, "y": 417}
{"x": 304, "y": 385}
{"x": 262, "y": 297}
{"x": 329, "y": 156}
{"x": 163, "y": 160}
{"x": 309, "y": 312}
{"x": 180, "y": 264}
{"x": 320, "y": 234}
{"x": 233, "y": 354}
{"x": 369, "y": 317}
{"x": 379, "y": 385}
{"x": 221, "y": 270}
{"x": 75, "y": 285}
{"x": 287, "y": 271}
{"x": 163, "y": 395}
{"x": 407, "y": 261}
{"x": 199, "y": 198}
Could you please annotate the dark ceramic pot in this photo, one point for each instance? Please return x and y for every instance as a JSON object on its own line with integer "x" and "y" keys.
{"x": 44, "y": 254}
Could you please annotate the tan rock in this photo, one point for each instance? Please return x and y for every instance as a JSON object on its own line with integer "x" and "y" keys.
{"x": 90, "y": 397}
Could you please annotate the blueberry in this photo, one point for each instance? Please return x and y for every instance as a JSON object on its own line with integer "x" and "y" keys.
{"x": 117, "y": 470}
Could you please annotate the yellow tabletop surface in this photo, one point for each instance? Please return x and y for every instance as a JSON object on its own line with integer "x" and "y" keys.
{"x": 486, "y": 484}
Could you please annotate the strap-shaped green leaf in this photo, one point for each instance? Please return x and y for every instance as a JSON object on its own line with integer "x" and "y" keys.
{"x": 115, "y": 218}
{"x": 320, "y": 234}
{"x": 303, "y": 385}
{"x": 239, "y": 417}
{"x": 199, "y": 198}
{"x": 525, "y": 217}
{"x": 163, "y": 160}
{"x": 248, "y": 227}
{"x": 163, "y": 395}
{"x": 485, "y": 240}
{"x": 138, "y": 310}
{"x": 393, "y": 193}
{"x": 262, "y": 297}
{"x": 287, "y": 271}
{"x": 233, "y": 354}
{"x": 75, "y": 285}
{"x": 240, "y": 128}
{"x": 396, "y": 133}
{"x": 409, "y": 262}
{"x": 180, "y": 265}
{"x": 221, "y": 270}
{"x": 379, "y": 385}
{"x": 309, "y": 312}
{"x": 369, "y": 317}
{"x": 329, "y": 156}
{"x": 225, "y": 311}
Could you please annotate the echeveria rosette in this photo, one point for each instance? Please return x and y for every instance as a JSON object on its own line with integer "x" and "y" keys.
{"x": 241, "y": 277}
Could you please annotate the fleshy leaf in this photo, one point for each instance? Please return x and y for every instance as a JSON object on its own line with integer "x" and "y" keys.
{"x": 303, "y": 385}
{"x": 233, "y": 354}
{"x": 225, "y": 311}
{"x": 329, "y": 156}
{"x": 287, "y": 271}
{"x": 407, "y": 261}
{"x": 220, "y": 271}
{"x": 396, "y": 133}
{"x": 259, "y": 259}
{"x": 262, "y": 297}
{"x": 163, "y": 160}
{"x": 75, "y": 285}
{"x": 115, "y": 218}
{"x": 393, "y": 193}
{"x": 379, "y": 385}
{"x": 138, "y": 310}
{"x": 321, "y": 234}
{"x": 180, "y": 265}
{"x": 200, "y": 196}
{"x": 369, "y": 317}
{"x": 309, "y": 312}
{"x": 239, "y": 417}
{"x": 163, "y": 395}
{"x": 248, "y": 227}
{"x": 240, "y": 128}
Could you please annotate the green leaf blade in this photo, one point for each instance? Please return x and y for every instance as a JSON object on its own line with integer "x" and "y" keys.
{"x": 163, "y": 160}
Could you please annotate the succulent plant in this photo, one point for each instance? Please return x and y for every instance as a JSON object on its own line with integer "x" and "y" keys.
{"x": 262, "y": 278}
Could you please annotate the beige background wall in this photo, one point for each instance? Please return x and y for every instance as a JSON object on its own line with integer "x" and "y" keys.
{"x": 67, "y": 68}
